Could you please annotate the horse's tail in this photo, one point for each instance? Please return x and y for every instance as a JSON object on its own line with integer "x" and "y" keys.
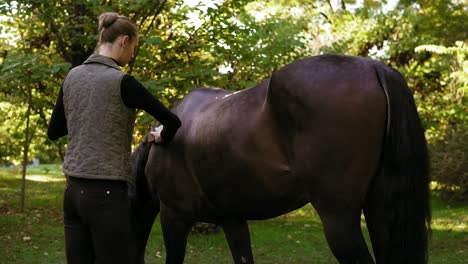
{"x": 405, "y": 172}
{"x": 145, "y": 206}
{"x": 139, "y": 159}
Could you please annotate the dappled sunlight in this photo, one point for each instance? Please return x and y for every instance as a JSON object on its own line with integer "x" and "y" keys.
{"x": 44, "y": 178}
{"x": 448, "y": 217}
{"x": 306, "y": 210}
{"x": 450, "y": 224}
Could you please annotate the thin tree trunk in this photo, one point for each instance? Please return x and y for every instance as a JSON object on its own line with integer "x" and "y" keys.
{"x": 60, "y": 151}
{"x": 27, "y": 143}
{"x": 25, "y": 150}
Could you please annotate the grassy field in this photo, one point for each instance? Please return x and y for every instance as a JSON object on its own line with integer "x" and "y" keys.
{"x": 36, "y": 235}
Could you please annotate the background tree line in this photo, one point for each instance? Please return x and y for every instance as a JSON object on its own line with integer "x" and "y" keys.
{"x": 235, "y": 44}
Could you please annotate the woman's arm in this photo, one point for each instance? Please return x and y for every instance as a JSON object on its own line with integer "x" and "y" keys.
{"x": 135, "y": 95}
{"x": 58, "y": 123}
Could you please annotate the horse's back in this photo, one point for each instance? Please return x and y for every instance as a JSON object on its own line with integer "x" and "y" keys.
{"x": 198, "y": 100}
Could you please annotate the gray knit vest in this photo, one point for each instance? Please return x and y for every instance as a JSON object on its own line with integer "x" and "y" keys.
{"x": 100, "y": 126}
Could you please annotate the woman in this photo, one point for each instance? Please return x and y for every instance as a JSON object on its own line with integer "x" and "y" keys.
{"x": 96, "y": 109}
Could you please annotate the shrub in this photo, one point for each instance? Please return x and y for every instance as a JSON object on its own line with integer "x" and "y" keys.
{"x": 449, "y": 164}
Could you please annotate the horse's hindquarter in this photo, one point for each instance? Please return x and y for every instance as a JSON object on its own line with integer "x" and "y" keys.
{"x": 332, "y": 109}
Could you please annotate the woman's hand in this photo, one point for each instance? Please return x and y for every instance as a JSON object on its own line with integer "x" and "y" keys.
{"x": 155, "y": 136}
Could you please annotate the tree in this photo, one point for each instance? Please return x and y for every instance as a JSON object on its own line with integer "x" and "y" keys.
{"x": 25, "y": 78}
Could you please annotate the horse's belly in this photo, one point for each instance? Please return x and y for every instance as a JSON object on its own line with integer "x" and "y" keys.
{"x": 251, "y": 191}
{"x": 258, "y": 209}
{"x": 245, "y": 206}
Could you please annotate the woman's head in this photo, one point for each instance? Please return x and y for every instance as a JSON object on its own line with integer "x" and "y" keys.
{"x": 112, "y": 26}
{"x": 120, "y": 33}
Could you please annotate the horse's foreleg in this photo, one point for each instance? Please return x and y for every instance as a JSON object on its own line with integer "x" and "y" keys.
{"x": 343, "y": 232}
{"x": 175, "y": 231}
{"x": 238, "y": 237}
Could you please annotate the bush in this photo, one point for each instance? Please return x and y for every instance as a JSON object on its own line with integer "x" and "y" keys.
{"x": 449, "y": 164}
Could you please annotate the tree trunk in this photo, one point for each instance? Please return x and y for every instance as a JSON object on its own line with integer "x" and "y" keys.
{"x": 26, "y": 144}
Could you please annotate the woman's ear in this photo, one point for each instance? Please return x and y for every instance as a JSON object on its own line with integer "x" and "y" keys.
{"x": 125, "y": 40}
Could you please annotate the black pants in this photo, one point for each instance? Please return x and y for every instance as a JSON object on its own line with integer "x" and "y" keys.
{"x": 97, "y": 222}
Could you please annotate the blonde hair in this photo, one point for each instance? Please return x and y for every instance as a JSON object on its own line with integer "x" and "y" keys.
{"x": 112, "y": 25}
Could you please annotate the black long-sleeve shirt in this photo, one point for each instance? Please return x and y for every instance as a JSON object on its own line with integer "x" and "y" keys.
{"x": 134, "y": 95}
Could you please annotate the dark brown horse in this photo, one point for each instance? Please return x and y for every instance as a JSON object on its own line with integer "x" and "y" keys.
{"x": 339, "y": 132}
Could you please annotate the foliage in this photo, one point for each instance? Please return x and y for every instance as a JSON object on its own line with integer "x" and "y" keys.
{"x": 23, "y": 74}
{"x": 9, "y": 132}
{"x": 449, "y": 164}
{"x": 448, "y": 109}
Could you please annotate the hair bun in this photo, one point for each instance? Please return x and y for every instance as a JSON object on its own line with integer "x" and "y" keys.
{"x": 107, "y": 19}
{"x": 112, "y": 25}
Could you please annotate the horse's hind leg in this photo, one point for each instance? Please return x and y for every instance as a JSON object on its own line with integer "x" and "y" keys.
{"x": 343, "y": 232}
{"x": 175, "y": 233}
{"x": 377, "y": 221}
{"x": 238, "y": 237}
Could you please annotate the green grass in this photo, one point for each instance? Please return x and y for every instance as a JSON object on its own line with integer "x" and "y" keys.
{"x": 36, "y": 235}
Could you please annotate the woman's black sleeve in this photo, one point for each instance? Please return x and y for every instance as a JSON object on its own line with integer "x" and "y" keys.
{"x": 58, "y": 123}
{"x": 135, "y": 95}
